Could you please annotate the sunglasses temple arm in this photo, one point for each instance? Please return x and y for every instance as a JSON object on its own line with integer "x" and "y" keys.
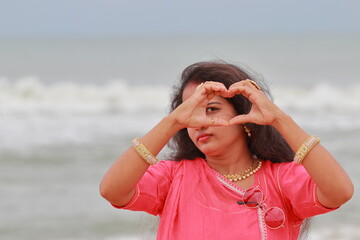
{"x": 242, "y": 202}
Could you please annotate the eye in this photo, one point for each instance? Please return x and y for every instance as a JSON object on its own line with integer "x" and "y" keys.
{"x": 211, "y": 109}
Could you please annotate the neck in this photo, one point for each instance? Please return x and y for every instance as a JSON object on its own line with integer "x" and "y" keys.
{"x": 231, "y": 163}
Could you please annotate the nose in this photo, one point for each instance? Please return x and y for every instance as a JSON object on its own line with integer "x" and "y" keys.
{"x": 200, "y": 128}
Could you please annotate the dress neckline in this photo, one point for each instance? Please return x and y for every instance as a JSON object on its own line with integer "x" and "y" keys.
{"x": 232, "y": 186}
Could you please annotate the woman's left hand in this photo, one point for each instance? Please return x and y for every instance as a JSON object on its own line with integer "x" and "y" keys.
{"x": 262, "y": 112}
{"x": 333, "y": 185}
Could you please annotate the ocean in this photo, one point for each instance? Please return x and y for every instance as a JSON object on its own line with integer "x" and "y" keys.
{"x": 70, "y": 106}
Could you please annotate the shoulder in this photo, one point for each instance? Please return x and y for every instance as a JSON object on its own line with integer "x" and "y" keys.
{"x": 184, "y": 162}
{"x": 190, "y": 162}
{"x": 286, "y": 174}
{"x": 283, "y": 167}
{"x": 283, "y": 170}
{"x": 178, "y": 166}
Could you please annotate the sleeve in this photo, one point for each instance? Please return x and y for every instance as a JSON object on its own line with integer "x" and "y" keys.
{"x": 299, "y": 190}
{"x": 151, "y": 190}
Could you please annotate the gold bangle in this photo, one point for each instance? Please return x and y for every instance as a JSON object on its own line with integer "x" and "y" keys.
{"x": 305, "y": 149}
{"x": 143, "y": 152}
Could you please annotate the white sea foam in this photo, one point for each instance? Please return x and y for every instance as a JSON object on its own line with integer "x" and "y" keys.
{"x": 322, "y": 106}
{"x": 37, "y": 114}
{"x": 29, "y": 95}
{"x": 320, "y": 97}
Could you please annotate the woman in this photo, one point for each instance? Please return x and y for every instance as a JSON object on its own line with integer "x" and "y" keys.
{"x": 234, "y": 176}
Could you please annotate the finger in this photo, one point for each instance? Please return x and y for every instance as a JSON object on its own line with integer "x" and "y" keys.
{"x": 214, "y": 121}
{"x": 236, "y": 86}
{"x": 199, "y": 86}
{"x": 240, "y": 119}
{"x": 245, "y": 83}
{"x": 208, "y": 90}
{"x": 247, "y": 89}
{"x": 212, "y": 89}
{"x": 215, "y": 87}
{"x": 203, "y": 89}
{"x": 241, "y": 89}
{"x": 253, "y": 83}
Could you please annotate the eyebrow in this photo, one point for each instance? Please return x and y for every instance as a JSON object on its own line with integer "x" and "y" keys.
{"x": 210, "y": 103}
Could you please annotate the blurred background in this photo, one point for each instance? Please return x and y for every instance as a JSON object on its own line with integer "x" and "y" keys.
{"x": 79, "y": 79}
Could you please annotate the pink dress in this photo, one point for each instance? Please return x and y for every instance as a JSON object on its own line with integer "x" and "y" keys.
{"x": 195, "y": 202}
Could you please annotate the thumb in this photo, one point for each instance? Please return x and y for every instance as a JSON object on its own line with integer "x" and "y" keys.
{"x": 240, "y": 119}
{"x": 217, "y": 122}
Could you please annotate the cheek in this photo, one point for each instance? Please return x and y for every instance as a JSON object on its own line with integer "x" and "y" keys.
{"x": 227, "y": 116}
{"x": 233, "y": 132}
{"x": 191, "y": 132}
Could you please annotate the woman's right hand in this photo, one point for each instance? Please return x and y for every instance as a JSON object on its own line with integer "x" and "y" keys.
{"x": 192, "y": 113}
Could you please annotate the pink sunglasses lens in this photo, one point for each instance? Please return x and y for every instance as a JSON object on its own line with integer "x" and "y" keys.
{"x": 274, "y": 217}
{"x": 252, "y": 198}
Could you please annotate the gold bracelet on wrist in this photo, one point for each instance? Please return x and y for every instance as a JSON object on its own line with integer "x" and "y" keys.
{"x": 305, "y": 149}
{"x": 143, "y": 152}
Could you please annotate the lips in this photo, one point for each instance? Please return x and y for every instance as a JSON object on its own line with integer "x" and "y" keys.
{"x": 203, "y": 137}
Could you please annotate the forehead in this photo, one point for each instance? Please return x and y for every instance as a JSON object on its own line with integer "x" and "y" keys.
{"x": 189, "y": 90}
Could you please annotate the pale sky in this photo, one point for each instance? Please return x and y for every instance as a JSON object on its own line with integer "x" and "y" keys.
{"x": 131, "y": 17}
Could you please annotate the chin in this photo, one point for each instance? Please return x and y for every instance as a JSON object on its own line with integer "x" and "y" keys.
{"x": 210, "y": 152}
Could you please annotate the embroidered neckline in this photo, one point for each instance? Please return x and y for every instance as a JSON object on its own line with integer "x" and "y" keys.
{"x": 232, "y": 186}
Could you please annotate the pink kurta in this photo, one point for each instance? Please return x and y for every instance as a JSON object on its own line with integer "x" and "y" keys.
{"x": 195, "y": 202}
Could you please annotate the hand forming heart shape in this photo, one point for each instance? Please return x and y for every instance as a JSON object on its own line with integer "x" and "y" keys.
{"x": 193, "y": 111}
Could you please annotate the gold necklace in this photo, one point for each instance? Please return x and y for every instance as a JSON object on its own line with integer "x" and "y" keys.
{"x": 245, "y": 174}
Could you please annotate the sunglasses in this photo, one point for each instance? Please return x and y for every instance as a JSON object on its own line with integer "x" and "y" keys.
{"x": 274, "y": 216}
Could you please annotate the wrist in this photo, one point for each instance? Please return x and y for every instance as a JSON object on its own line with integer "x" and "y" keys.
{"x": 173, "y": 123}
{"x": 281, "y": 120}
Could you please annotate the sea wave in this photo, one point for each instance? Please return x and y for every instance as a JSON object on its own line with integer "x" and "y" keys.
{"x": 30, "y": 95}
{"x": 33, "y": 113}
{"x": 320, "y": 97}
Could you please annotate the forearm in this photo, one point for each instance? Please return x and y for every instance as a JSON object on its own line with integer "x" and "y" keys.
{"x": 334, "y": 186}
{"x": 118, "y": 184}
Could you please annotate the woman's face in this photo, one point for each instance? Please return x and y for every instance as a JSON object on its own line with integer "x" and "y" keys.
{"x": 214, "y": 141}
